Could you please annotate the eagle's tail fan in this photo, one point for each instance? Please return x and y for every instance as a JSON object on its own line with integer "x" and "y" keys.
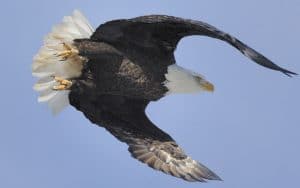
{"x": 58, "y": 57}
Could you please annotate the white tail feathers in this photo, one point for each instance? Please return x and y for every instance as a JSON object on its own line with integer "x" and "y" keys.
{"x": 48, "y": 63}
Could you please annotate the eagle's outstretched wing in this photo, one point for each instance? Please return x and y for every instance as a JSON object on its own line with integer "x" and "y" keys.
{"x": 164, "y": 32}
{"x": 125, "y": 118}
{"x": 163, "y": 154}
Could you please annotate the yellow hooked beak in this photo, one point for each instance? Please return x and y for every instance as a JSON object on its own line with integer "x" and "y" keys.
{"x": 207, "y": 86}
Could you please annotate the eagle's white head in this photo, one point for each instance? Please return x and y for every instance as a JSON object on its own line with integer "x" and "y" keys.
{"x": 181, "y": 80}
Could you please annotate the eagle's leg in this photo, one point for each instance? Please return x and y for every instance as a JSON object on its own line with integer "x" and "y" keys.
{"x": 67, "y": 52}
{"x": 63, "y": 84}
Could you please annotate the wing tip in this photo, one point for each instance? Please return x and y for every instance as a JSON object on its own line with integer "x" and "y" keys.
{"x": 206, "y": 173}
{"x": 289, "y": 73}
{"x": 215, "y": 177}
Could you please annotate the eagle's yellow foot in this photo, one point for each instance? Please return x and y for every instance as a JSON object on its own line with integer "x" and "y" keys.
{"x": 67, "y": 52}
{"x": 63, "y": 84}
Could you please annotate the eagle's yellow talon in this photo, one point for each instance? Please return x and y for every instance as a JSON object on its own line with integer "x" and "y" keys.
{"x": 63, "y": 84}
{"x": 66, "y": 82}
{"x": 67, "y": 52}
{"x": 59, "y": 87}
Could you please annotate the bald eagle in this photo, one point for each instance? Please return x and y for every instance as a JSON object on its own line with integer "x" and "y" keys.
{"x": 112, "y": 73}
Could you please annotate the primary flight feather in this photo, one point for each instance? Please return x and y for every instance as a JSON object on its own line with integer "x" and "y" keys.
{"x": 111, "y": 74}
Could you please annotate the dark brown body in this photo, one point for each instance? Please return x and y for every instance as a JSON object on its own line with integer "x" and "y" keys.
{"x": 111, "y": 72}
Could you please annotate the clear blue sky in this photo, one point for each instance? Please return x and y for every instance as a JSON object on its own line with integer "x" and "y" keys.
{"x": 247, "y": 131}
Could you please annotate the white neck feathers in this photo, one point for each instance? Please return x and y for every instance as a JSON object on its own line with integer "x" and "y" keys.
{"x": 181, "y": 80}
